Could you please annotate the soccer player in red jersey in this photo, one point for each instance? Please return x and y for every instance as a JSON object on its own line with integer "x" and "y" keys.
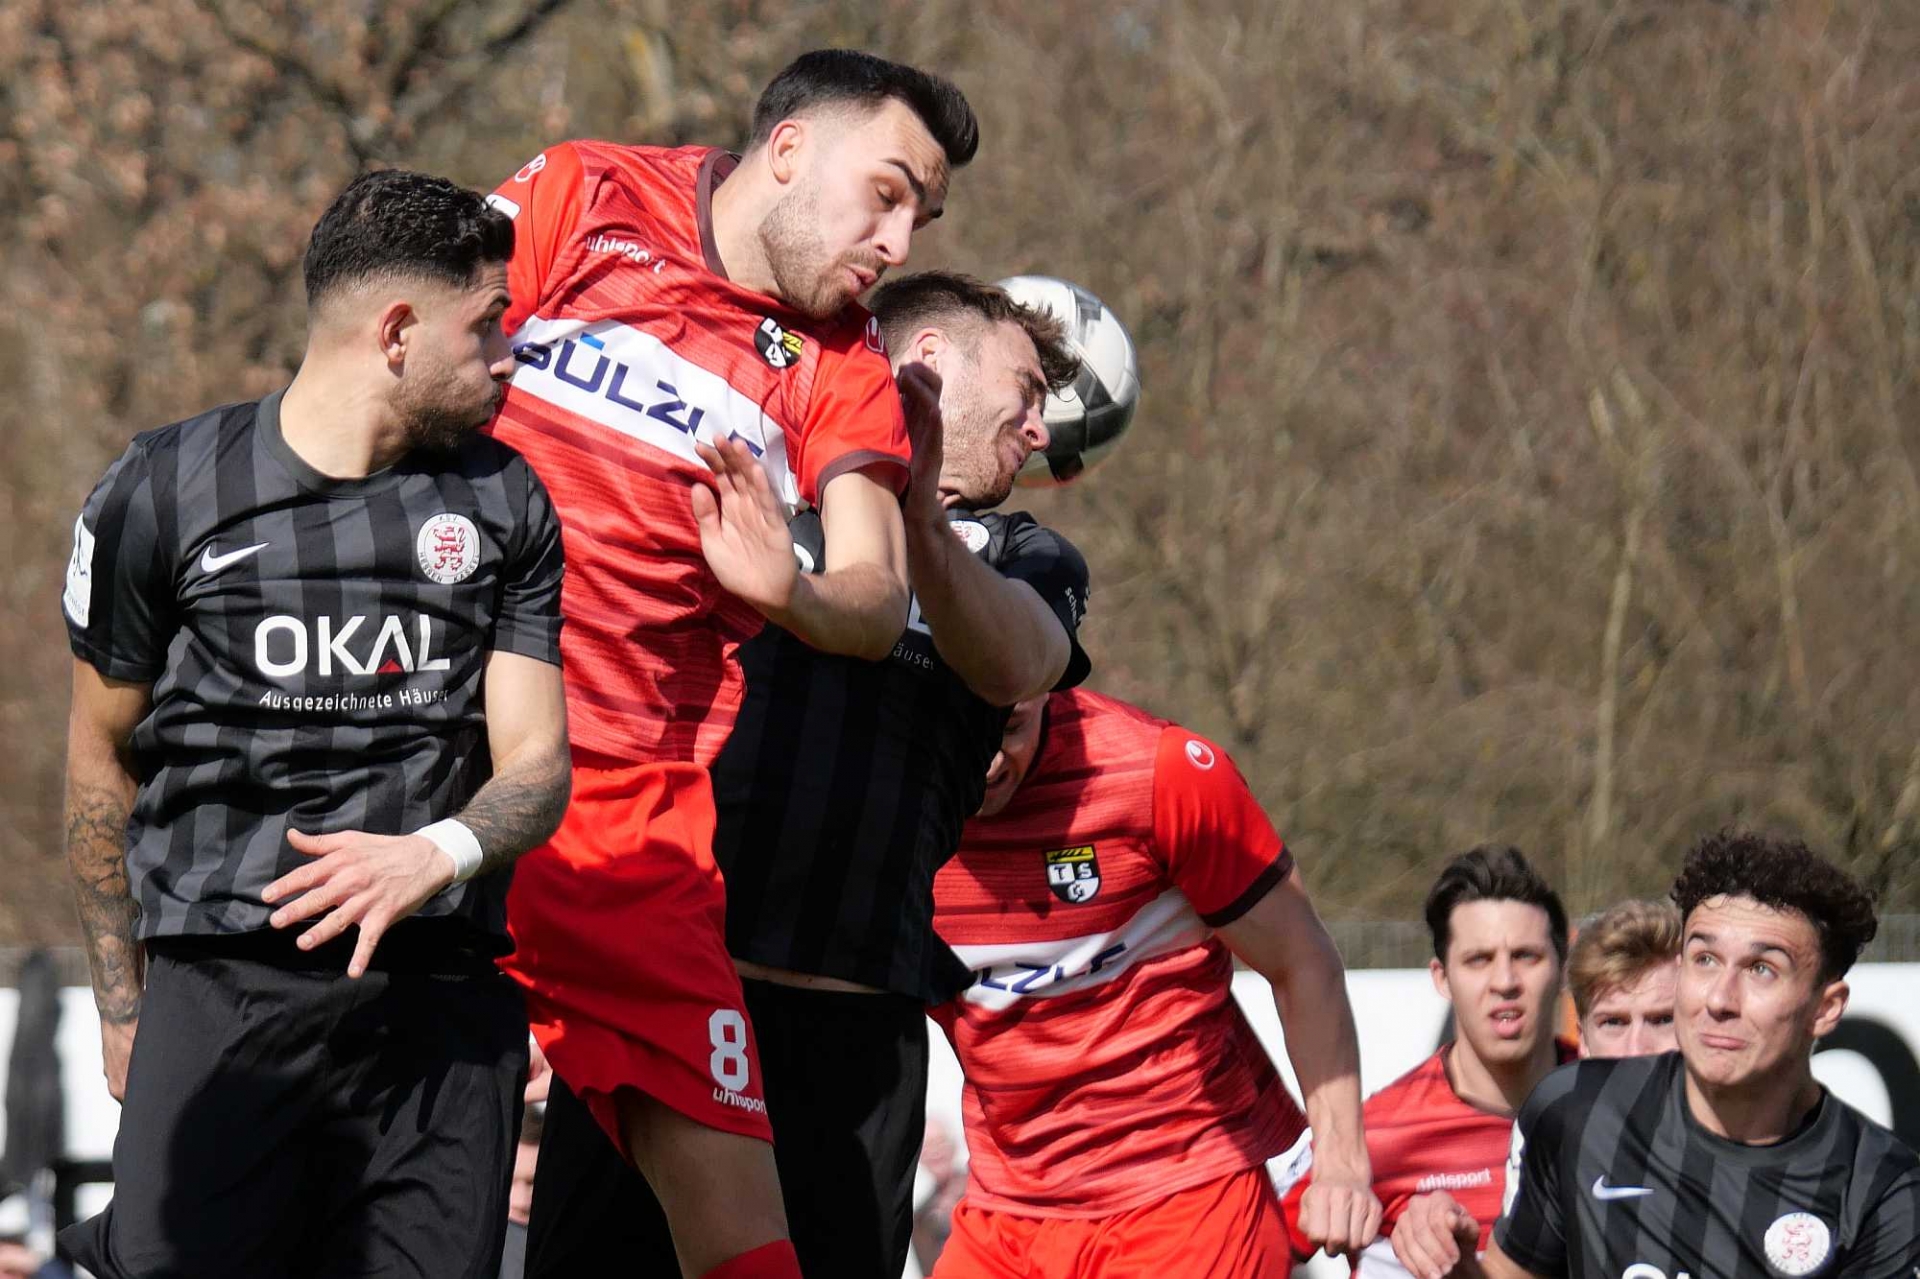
{"x": 1119, "y": 1108}
{"x": 692, "y": 365}
{"x": 1438, "y": 1135}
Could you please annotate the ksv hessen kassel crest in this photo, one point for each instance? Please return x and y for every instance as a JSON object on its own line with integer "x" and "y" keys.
{"x": 448, "y": 547}
{"x": 1073, "y": 873}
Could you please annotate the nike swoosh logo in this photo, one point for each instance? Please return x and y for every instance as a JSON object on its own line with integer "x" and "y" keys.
{"x": 211, "y": 563}
{"x": 1601, "y": 1190}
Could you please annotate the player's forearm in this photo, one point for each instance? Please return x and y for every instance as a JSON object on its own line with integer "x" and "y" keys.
{"x": 521, "y": 805}
{"x": 997, "y": 635}
{"x": 100, "y": 793}
{"x": 1311, "y": 998}
{"x": 857, "y": 610}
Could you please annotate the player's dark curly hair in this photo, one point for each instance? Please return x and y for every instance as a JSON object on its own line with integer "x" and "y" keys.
{"x": 1785, "y": 875}
{"x": 909, "y": 304}
{"x": 1491, "y": 873}
{"x": 399, "y": 223}
{"x": 847, "y": 75}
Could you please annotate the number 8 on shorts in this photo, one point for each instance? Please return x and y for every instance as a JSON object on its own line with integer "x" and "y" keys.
{"x": 727, "y": 1030}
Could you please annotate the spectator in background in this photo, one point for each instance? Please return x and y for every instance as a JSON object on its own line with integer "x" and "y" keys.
{"x": 1623, "y": 970}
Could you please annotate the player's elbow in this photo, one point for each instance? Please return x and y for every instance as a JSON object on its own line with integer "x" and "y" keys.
{"x": 1006, "y": 674}
{"x": 875, "y": 643}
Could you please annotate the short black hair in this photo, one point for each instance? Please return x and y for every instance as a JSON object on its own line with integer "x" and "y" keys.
{"x": 395, "y": 222}
{"x": 1491, "y": 873}
{"x": 828, "y": 76}
{"x": 1783, "y": 875}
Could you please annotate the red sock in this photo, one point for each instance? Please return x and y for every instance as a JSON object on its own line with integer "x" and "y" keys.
{"x": 775, "y": 1260}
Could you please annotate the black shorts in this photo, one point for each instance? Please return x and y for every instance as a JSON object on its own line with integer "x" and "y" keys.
{"x": 284, "y": 1119}
{"x": 846, "y": 1080}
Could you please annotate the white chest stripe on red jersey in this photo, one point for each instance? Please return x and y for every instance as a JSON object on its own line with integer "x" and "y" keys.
{"x": 632, "y": 382}
{"x": 1006, "y": 973}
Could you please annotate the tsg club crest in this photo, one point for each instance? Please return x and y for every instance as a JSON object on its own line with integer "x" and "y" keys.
{"x": 448, "y": 547}
{"x": 779, "y": 348}
{"x": 1073, "y": 873}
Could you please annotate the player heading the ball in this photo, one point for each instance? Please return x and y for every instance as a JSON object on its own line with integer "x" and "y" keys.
{"x": 692, "y": 368}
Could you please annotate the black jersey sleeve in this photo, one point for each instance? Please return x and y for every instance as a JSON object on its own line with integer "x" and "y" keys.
{"x": 1889, "y": 1242}
{"x": 1054, "y": 567}
{"x": 529, "y": 618}
{"x": 120, "y": 599}
{"x": 1532, "y": 1230}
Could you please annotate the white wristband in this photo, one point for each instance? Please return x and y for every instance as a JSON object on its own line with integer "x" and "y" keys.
{"x": 458, "y": 843}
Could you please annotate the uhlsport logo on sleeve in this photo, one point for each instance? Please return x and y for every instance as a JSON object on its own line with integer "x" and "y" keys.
{"x": 1073, "y": 873}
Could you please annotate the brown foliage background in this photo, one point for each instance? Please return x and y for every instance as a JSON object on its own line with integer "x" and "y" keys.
{"x": 1524, "y": 452}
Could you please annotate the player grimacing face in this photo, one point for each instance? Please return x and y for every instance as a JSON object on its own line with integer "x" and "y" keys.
{"x": 457, "y": 360}
{"x": 1018, "y": 745}
{"x": 1751, "y": 999}
{"x": 990, "y": 400}
{"x": 1634, "y": 1020}
{"x": 863, "y": 181}
{"x": 1501, "y": 975}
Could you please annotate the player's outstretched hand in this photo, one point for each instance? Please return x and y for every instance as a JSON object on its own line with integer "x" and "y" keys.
{"x": 1339, "y": 1213}
{"x": 356, "y": 878}
{"x": 1433, "y": 1234}
{"x": 743, "y": 528}
{"x": 920, "y": 402}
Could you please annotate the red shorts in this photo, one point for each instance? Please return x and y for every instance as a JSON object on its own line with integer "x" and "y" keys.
{"x": 1226, "y": 1229}
{"x": 619, "y": 934}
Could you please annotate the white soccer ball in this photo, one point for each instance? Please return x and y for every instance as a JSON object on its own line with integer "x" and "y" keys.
{"x": 1086, "y": 419}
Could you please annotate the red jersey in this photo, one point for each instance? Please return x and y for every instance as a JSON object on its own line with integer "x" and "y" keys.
{"x": 1107, "y": 1065}
{"x": 1422, "y": 1137}
{"x": 632, "y": 344}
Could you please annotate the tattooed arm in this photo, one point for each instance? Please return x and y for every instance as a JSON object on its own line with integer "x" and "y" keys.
{"x": 532, "y": 768}
{"x": 100, "y": 790}
{"x": 375, "y": 880}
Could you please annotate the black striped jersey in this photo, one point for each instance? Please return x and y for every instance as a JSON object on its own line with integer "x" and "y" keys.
{"x": 1611, "y": 1175}
{"x": 315, "y": 648}
{"x": 845, "y": 783}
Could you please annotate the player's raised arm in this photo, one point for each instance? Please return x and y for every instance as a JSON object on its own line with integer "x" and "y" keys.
{"x": 858, "y": 606}
{"x": 974, "y": 367}
{"x": 1281, "y": 937}
{"x": 100, "y": 790}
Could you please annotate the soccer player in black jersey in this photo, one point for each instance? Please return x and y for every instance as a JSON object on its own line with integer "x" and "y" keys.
{"x": 1726, "y": 1158}
{"x": 841, "y": 791}
{"x": 316, "y": 714}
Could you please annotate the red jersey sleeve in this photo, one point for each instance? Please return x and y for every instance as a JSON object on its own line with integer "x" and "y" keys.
{"x": 1215, "y": 839}
{"x": 854, "y": 418}
{"x": 544, "y": 199}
